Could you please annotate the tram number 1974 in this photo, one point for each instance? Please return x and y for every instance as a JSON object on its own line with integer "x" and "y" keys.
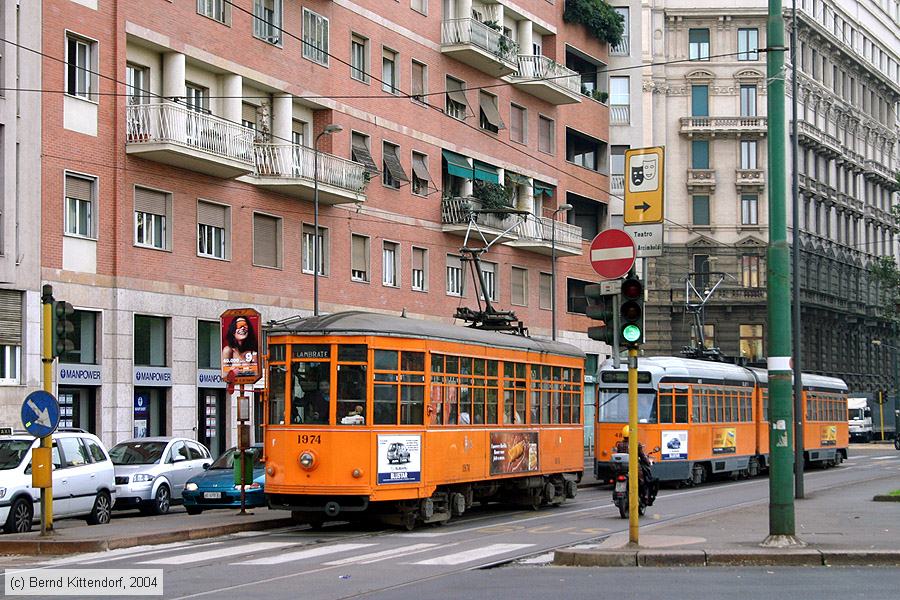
{"x": 306, "y": 438}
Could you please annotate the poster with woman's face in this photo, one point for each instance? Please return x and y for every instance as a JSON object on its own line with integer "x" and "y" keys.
{"x": 240, "y": 345}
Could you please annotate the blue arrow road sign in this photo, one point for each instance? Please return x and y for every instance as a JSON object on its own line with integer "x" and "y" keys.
{"x": 40, "y": 413}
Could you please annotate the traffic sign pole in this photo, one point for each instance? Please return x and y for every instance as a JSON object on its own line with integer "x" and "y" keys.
{"x": 47, "y": 440}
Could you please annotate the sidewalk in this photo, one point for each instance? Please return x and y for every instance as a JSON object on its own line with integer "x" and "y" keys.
{"x": 841, "y": 527}
{"x": 130, "y": 528}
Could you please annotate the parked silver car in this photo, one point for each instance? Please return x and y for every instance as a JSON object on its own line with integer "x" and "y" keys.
{"x": 151, "y": 472}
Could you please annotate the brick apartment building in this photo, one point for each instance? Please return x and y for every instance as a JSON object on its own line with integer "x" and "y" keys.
{"x": 177, "y": 180}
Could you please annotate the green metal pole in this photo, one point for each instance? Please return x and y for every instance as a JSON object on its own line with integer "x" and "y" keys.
{"x": 781, "y": 454}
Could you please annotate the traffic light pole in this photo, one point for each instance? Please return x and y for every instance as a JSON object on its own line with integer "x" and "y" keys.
{"x": 47, "y": 441}
{"x": 633, "y": 442}
{"x": 781, "y": 456}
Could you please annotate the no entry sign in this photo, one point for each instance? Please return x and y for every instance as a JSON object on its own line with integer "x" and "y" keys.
{"x": 612, "y": 253}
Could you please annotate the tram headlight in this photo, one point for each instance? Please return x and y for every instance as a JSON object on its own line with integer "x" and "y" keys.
{"x": 307, "y": 460}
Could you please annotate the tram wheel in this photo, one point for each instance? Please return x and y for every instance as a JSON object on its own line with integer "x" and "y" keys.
{"x": 408, "y": 520}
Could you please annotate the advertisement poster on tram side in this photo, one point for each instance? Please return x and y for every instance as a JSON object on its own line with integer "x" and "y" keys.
{"x": 829, "y": 435}
{"x": 724, "y": 440}
{"x": 674, "y": 445}
{"x": 514, "y": 452}
{"x": 399, "y": 458}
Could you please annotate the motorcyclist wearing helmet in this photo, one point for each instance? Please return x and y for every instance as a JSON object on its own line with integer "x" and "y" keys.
{"x": 646, "y": 473}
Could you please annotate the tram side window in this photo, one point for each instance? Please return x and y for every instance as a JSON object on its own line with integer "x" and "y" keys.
{"x": 492, "y": 389}
{"x": 514, "y": 393}
{"x": 695, "y": 404}
{"x": 412, "y": 387}
{"x": 665, "y": 404}
{"x": 351, "y": 394}
{"x": 765, "y": 404}
{"x": 681, "y": 405}
{"x": 386, "y": 387}
{"x": 310, "y": 392}
{"x": 435, "y": 409}
{"x": 276, "y": 394}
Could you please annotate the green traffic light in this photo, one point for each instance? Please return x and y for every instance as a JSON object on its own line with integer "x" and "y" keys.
{"x": 631, "y": 333}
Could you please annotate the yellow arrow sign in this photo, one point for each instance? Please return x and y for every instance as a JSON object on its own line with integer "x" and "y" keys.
{"x": 644, "y": 189}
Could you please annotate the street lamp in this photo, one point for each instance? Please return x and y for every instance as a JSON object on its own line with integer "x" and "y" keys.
{"x": 329, "y": 129}
{"x": 562, "y": 208}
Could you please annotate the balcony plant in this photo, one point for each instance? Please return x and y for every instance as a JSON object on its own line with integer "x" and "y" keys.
{"x": 600, "y": 96}
{"x": 600, "y": 19}
{"x": 506, "y": 45}
{"x": 493, "y": 196}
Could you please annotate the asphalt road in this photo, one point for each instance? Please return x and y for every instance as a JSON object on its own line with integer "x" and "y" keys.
{"x": 453, "y": 561}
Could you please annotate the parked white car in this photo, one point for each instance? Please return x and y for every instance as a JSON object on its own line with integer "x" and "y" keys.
{"x": 83, "y": 479}
{"x": 151, "y": 472}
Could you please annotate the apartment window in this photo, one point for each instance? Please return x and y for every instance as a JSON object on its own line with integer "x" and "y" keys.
{"x": 80, "y": 194}
{"x": 359, "y": 258}
{"x": 419, "y": 83}
{"x": 137, "y": 84}
{"x": 749, "y": 208}
{"x": 419, "y": 269}
{"x": 619, "y": 91}
{"x": 267, "y": 20}
{"x": 359, "y": 58}
{"x": 267, "y": 232}
{"x": 699, "y": 100}
{"x": 622, "y": 48}
{"x": 698, "y": 44}
{"x": 752, "y": 342}
{"x": 390, "y": 264}
{"x": 546, "y": 284}
{"x": 748, "y": 100}
{"x": 700, "y": 154}
{"x": 457, "y": 106}
{"x": 214, "y": 9}
{"x": 421, "y": 178}
{"x": 149, "y": 341}
{"x": 298, "y": 133}
{"x": 248, "y": 116}
{"x": 546, "y": 135}
{"x": 750, "y": 274}
{"x": 392, "y": 173}
{"x": 489, "y": 116}
{"x": 359, "y": 152}
{"x": 709, "y": 337}
{"x": 583, "y": 150}
{"x": 196, "y": 99}
{"x": 518, "y": 123}
{"x": 212, "y": 225}
{"x": 209, "y": 345}
{"x": 748, "y": 154}
{"x": 151, "y": 212}
{"x": 390, "y": 77}
{"x": 85, "y": 337}
{"x": 10, "y": 336}
{"x": 309, "y": 251}
{"x": 454, "y": 276}
{"x": 315, "y": 37}
{"x": 419, "y": 6}
{"x": 700, "y": 210}
{"x": 519, "y": 286}
{"x": 489, "y": 275}
{"x": 80, "y": 66}
{"x": 748, "y": 44}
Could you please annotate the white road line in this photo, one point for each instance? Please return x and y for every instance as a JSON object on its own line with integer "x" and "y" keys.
{"x": 147, "y": 551}
{"x": 301, "y": 554}
{"x": 383, "y": 555}
{"x": 885, "y": 457}
{"x": 471, "y": 555}
{"x": 218, "y": 553}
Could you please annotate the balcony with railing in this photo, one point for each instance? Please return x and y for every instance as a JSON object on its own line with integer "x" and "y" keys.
{"x": 546, "y": 79}
{"x": 176, "y": 135}
{"x": 749, "y": 178}
{"x": 617, "y": 184}
{"x": 457, "y": 212}
{"x": 290, "y": 169}
{"x": 724, "y": 126}
{"x": 472, "y": 42}
{"x": 810, "y": 135}
{"x": 538, "y": 234}
{"x": 874, "y": 168}
{"x": 623, "y": 48}
{"x": 619, "y": 114}
{"x": 701, "y": 180}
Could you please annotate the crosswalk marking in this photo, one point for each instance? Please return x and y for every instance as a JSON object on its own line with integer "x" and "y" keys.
{"x": 470, "y": 555}
{"x": 882, "y": 457}
{"x": 384, "y": 554}
{"x": 146, "y": 551}
{"x": 301, "y": 554}
{"x": 217, "y": 553}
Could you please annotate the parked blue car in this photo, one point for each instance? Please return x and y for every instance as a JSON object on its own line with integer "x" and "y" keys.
{"x": 215, "y": 488}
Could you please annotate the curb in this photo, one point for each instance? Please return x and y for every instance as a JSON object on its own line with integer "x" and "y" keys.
{"x": 885, "y": 498}
{"x": 725, "y": 558}
{"x": 61, "y": 547}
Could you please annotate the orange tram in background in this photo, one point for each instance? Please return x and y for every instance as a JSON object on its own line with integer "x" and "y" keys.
{"x": 415, "y": 420}
{"x": 711, "y": 418}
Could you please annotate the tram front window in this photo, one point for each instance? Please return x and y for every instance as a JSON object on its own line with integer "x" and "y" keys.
{"x": 310, "y": 393}
{"x": 613, "y": 407}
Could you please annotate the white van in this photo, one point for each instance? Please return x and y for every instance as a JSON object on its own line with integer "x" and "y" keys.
{"x": 84, "y": 482}
{"x": 859, "y": 418}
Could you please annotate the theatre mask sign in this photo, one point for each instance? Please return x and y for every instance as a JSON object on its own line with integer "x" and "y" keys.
{"x": 240, "y": 345}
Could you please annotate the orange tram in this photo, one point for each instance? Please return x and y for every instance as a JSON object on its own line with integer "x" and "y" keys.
{"x": 711, "y": 418}
{"x": 415, "y": 420}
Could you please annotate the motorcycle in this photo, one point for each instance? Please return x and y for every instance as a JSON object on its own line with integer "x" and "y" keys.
{"x": 647, "y": 486}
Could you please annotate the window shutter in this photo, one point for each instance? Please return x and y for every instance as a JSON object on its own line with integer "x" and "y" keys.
{"x": 489, "y": 107}
{"x": 546, "y": 282}
{"x": 392, "y": 163}
{"x": 362, "y": 155}
{"x": 79, "y": 188}
{"x": 149, "y": 201}
{"x": 516, "y": 130}
{"x": 248, "y": 111}
{"x": 454, "y": 90}
{"x": 518, "y": 286}
{"x": 420, "y": 168}
{"x": 358, "y": 254}
{"x": 211, "y": 214}
{"x": 11, "y": 317}
{"x": 418, "y": 80}
{"x": 418, "y": 259}
{"x": 265, "y": 240}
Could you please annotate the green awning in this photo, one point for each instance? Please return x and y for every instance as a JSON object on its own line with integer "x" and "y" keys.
{"x": 457, "y": 164}
{"x": 516, "y": 178}
{"x": 486, "y": 172}
{"x": 542, "y": 188}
